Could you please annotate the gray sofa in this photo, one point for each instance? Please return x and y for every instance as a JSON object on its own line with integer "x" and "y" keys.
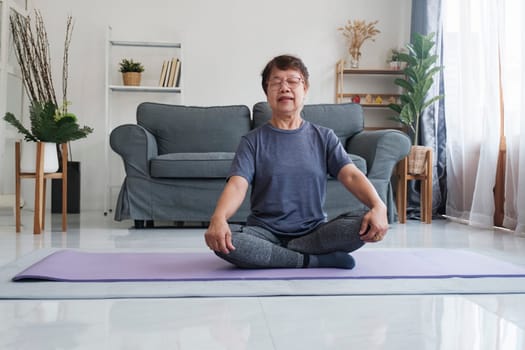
{"x": 176, "y": 158}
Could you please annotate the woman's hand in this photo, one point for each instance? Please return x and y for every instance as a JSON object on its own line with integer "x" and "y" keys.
{"x": 374, "y": 225}
{"x": 375, "y": 222}
{"x": 218, "y": 236}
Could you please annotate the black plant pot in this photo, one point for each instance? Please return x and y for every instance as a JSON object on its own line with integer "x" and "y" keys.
{"x": 73, "y": 190}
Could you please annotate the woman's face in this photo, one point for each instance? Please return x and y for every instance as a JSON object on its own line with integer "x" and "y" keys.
{"x": 286, "y": 92}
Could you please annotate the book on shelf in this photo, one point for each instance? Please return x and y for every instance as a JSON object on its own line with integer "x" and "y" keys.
{"x": 178, "y": 74}
{"x": 174, "y": 63}
{"x": 168, "y": 72}
{"x": 163, "y": 73}
{"x": 176, "y": 80}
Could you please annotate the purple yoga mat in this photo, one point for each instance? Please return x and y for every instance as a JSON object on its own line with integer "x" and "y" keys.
{"x": 80, "y": 266}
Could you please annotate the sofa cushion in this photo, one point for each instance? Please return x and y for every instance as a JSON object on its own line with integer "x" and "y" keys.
{"x": 192, "y": 165}
{"x": 194, "y": 129}
{"x": 345, "y": 119}
{"x": 206, "y": 165}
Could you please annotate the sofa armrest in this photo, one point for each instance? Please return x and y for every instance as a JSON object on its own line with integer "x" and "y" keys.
{"x": 136, "y": 146}
{"x": 381, "y": 149}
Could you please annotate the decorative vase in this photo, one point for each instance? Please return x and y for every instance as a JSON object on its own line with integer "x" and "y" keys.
{"x": 131, "y": 78}
{"x": 28, "y": 157}
{"x": 354, "y": 57}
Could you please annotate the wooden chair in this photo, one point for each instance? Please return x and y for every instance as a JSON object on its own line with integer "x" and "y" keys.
{"x": 40, "y": 186}
{"x": 425, "y": 177}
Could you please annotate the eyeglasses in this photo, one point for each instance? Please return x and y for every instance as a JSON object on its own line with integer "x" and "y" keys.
{"x": 292, "y": 83}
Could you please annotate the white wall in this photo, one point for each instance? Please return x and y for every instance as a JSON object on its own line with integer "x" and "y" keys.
{"x": 226, "y": 45}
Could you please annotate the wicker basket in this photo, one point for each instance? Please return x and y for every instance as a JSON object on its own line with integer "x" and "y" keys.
{"x": 131, "y": 78}
{"x": 416, "y": 159}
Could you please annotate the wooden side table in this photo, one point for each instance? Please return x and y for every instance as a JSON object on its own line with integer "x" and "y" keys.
{"x": 40, "y": 187}
{"x": 403, "y": 176}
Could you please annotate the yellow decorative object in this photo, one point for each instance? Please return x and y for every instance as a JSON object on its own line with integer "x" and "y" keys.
{"x": 379, "y": 100}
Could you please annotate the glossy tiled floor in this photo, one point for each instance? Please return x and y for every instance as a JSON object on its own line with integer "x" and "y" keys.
{"x": 473, "y": 322}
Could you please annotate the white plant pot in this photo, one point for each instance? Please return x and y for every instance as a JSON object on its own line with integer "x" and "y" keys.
{"x": 395, "y": 65}
{"x": 28, "y": 157}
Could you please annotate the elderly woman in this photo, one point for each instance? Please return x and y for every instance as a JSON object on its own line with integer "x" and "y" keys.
{"x": 286, "y": 161}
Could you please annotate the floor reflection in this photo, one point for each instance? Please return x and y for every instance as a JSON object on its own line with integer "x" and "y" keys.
{"x": 467, "y": 325}
{"x": 419, "y": 322}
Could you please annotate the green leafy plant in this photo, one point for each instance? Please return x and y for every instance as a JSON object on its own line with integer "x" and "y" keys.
{"x": 419, "y": 72}
{"x": 394, "y": 55}
{"x": 128, "y": 65}
{"x": 49, "y": 124}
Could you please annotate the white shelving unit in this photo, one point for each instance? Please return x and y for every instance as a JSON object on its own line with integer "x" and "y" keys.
{"x": 375, "y": 82}
{"x": 11, "y": 92}
{"x": 11, "y": 87}
{"x": 119, "y": 97}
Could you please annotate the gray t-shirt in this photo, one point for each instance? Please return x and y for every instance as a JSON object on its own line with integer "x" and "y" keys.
{"x": 287, "y": 170}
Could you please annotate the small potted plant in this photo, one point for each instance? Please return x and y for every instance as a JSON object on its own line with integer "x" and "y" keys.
{"x": 131, "y": 72}
{"x": 394, "y": 61}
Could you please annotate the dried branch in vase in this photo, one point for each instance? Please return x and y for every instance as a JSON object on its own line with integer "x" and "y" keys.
{"x": 50, "y": 121}
{"x": 356, "y": 33}
{"x": 32, "y": 52}
{"x": 65, "y": 65}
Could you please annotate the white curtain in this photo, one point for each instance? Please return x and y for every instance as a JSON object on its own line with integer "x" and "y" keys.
{"x": 470, "y": 53}
{"x": 512, "y": 37}
{"x": 474, "y": 33}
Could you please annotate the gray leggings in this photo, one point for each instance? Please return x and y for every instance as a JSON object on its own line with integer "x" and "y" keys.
{"x": 257, "y": 247}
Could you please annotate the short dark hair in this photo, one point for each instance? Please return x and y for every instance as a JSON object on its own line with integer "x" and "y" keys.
{"x": 283, "y": 62}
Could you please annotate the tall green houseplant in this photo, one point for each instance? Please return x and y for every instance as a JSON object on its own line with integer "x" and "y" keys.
{"x": 419, "y": 72}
